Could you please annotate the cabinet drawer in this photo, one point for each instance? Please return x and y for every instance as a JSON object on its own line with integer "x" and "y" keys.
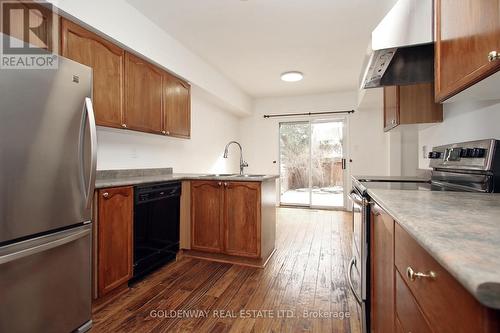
{"x": 409, "y": 316}
{"x": 445, "y": 303}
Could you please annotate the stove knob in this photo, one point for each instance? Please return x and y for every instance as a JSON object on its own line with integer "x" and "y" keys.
{"x": 434, "y": 155}
{"x": 467, "y": 153}
{"x": 478, "y": 152}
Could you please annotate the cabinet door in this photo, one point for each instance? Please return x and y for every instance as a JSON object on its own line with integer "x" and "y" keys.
{"x": 143, "y": 95}
{"x": 382, "y": 272}
{"x": 417, "y": 106}
{"x": 206, "y": 215}
{"x": 242, "y": 219}
{"x": 43, "y": 24}
{"x": 107, "y": 62}
{"x": 391, "y": 107}
{"x": 176, "y": 107}
{"x": 466, "y": 31}
{"x": 115, "y": 225}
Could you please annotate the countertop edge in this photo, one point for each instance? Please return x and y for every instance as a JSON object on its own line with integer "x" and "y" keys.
{"x": 487, "y": 293}
{"x": 130, "y": 181}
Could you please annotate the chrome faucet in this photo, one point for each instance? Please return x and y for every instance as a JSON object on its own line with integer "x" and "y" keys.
{"x": 243, "y": 164}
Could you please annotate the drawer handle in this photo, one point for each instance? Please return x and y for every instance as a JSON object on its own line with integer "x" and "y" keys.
{"x": 412, "y": 275}
{"x": 105, "y": 195}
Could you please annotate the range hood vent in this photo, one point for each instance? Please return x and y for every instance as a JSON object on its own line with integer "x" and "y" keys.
{"x": 402, "y": 48}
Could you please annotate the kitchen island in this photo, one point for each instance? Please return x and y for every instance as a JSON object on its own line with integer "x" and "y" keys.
{"x": 435, "y": 261}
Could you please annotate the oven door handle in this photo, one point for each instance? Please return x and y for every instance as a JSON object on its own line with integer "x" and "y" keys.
{"x": 349, "y": 280}
{"x": 356, "y": 198}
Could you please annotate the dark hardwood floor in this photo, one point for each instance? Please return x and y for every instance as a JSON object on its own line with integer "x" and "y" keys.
{"x": 307, "y": 273}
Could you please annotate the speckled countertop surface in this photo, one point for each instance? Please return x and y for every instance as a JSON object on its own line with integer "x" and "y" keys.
{"x": 460, "y": 230}
{"x": 125, "y": 180}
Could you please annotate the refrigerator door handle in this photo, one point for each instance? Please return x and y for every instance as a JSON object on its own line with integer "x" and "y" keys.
{"x": 90, "y": 118}
{"x": 18, "y": 253}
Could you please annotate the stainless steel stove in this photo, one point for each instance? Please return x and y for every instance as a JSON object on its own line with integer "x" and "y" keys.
{"x": 468, "y": 166}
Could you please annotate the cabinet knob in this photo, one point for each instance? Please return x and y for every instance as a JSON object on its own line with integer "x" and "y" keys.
{"x": 412, "y": 275}
{"x": 225, "y": 184}
{"x": 220, "y": 184}
{"x": 164, "y": 132}
{"x": 168, "y": 132}
{"x": 493, "y": 56}
{"x": 124, "y": 125}
{"x": 105, "y": 195}
{"x": 393, "y": 121}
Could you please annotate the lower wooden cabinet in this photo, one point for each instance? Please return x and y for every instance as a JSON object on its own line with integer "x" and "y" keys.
{"x": 433, "y": 301}
{"x": 206, "y": 215}
{"x": 115, "y": 238}
{"x": 241, "y": 219}
{"x": 408, "y": 311}
{"x": 382, "y": 269}
{"x": 225, "y": 217}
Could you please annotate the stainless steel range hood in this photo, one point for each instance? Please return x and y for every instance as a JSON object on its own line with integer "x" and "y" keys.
{"x": 401, "y": 51}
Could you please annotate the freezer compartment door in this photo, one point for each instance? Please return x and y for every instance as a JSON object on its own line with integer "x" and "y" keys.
{"x": 45, "y": 283}
{"x": 47, "y": 149}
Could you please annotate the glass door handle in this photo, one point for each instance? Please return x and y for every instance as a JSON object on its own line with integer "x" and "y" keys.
{"x": 344, "y": 165}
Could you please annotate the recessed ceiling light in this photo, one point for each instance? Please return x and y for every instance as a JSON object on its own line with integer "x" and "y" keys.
{"x": 292, "y": 76}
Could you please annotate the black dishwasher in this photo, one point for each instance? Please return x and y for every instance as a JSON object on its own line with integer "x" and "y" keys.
{"x": 156, "y": 226}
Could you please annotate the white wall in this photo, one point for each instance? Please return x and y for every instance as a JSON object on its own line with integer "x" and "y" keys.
{"x": 121, "y": 22}
{"x": 369, "y": 143}
{"x": 211, "y": 129}
{"x": 260, "y": 137}
{"x": 463, "y": 121}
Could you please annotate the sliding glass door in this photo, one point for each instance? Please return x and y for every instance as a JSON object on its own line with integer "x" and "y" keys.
{"x": 312, "y": 164}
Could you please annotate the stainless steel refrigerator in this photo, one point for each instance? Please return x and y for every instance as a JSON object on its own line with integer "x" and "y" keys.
{"x": 47, "y": 176}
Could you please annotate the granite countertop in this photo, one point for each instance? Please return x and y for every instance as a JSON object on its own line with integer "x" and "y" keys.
{"x": 115, "y": 178}
{"x": 459, "y": 230}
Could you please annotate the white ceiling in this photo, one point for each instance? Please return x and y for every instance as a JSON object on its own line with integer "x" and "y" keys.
{"x": 252, "y": 42}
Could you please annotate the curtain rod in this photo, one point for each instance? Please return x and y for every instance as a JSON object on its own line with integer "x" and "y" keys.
{"x": 306, "y": 114}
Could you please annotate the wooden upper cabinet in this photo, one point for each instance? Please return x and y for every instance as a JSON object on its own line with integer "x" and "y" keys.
{"x": 411, "y": 104}
{"x": 115, "y": 238}
{"x": 176, "y": 107}
{"x": 107, "y": 62}
{"x": 466, "y": 32}
{"x": 382, "y": 272}
{"x": 242, "y": 219}
{"x": 391, "y": 107}
{"x": 206, "y": 216}
{"x": 143, "y": 95}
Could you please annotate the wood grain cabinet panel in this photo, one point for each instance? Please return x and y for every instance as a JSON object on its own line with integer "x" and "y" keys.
{"x": 409, "y": 317}
{"x": 107, "y": 63}
{"x": 176, "y": 107}
{"x": 466, "y": 32}
{"x": 411, "y": 104}
{"x": 242, "y": 219}
{"x": 206, "y": 216}
{"x": 382, "y": 268}
{"x": 445, "y": 303}
{"x": 115, "y": 238}
{"x": 391, "y": 107}
{"x": 143, "y": 95}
